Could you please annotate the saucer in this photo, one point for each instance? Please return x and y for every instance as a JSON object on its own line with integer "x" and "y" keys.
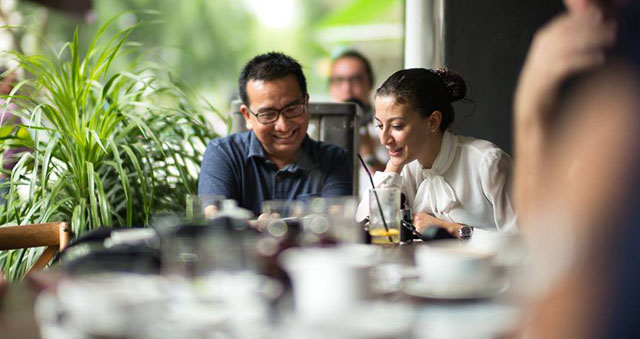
{"x": 422, "y": 289}
{"x": 371, "y": 319}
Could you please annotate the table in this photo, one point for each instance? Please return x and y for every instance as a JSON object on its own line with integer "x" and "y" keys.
{"x": 429, "y": 318}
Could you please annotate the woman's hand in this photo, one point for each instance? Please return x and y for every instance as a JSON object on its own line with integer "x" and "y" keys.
{"x": 422, "y": 221}
{"x": 394, "y": 168}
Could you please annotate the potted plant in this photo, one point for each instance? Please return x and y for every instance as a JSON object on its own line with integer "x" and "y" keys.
{"x": 108, "y": 147}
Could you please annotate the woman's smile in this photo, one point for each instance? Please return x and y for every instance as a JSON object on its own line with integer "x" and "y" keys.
{"x": 395, "y": 151}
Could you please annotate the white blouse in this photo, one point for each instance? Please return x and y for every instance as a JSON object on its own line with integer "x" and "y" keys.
{"x": 469, "y": 183}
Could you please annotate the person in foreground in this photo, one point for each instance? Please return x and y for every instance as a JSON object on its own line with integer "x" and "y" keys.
{"x": 449, "y": 180}
{"x": 577, "y": 136}
{"x": 275, "y": 159}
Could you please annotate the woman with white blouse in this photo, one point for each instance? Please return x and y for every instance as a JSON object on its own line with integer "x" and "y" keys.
{"x": 449, "y": 180}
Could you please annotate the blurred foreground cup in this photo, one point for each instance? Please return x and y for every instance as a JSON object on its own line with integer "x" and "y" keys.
{"x": 328, "y": 281}
{"x": 448, "y": 264}
{"x": 222, "y": 244}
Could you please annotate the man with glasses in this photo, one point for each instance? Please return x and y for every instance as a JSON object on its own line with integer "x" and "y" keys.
{"x": 275, "y": 159}
{"x": 351, "y": 78}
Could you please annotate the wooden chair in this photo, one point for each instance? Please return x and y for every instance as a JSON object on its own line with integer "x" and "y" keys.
{"x": 54, "y": 235}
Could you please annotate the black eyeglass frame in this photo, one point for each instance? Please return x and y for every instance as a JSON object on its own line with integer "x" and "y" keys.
{"x": 278, "y": 112}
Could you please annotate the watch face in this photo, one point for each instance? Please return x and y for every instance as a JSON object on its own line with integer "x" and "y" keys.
{"x": 465, "y": 232}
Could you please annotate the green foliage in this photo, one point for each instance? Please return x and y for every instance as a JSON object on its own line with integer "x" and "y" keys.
{"x": 107, "y": 147}
{"x": 206, "y": 42}
{"x": 359, "y": 12}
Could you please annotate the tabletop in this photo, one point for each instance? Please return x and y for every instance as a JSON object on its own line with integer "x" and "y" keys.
{"x": 412, "y": 314}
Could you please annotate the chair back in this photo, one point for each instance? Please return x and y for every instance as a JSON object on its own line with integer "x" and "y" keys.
{"x": 54, "y": 235}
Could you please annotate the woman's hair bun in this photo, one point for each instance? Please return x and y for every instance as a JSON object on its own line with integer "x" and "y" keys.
{"x": 455, "y": 85}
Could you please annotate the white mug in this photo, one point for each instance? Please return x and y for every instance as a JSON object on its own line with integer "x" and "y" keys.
{"x": 327, "y": 281}
{"x": 451, "y": 263}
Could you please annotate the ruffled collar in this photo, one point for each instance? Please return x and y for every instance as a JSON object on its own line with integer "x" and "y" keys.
{"x": 445, "y": 156}
{"x": 438, "y": 194}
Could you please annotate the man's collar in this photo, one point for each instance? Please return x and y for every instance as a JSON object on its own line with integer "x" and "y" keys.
{"x": 255, "y": 147}
{"x": 303, "y": 159}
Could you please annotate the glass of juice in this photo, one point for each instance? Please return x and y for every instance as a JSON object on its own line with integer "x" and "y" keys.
{"x": 384, "y": 215}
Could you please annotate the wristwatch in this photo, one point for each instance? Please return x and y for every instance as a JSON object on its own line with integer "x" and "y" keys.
{"x": 465, "y": 232}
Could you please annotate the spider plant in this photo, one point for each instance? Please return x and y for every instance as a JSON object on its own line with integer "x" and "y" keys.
{"x": 107, "y": 147}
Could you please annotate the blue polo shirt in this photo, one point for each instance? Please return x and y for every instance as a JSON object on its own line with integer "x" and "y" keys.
{"x": 236, "y": 167}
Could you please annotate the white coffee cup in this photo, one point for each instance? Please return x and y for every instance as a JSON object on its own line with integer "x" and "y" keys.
{"x": 507, "y": 247}
{"x": 328, "y": 280}
{"x": 451, "y": 264}
{"x": 111, "y": 305}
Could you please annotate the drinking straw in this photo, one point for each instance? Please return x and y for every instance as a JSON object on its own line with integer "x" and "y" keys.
{"x": 384, "y": 222}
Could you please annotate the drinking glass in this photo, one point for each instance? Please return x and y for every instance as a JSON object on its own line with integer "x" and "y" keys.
{"x": 384, "y": 227}
{"x": 204, "y": 207}
{"x": 222, "y": 244}
{"x": 281, "y": 226}
{"x": 281, "y": 217}
{"x": 331, "y": 220}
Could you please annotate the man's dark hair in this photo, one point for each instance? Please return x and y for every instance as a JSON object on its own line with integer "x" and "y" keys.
{"x": 270, "y": 66}
{"x": 350, "y": 53}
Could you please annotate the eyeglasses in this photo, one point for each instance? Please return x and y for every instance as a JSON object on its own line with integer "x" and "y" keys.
{"x": 352, "y": 80}
{"x": 271, "y": 116}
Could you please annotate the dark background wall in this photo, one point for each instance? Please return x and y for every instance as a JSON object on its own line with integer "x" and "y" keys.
{"x": 486, "y": 42}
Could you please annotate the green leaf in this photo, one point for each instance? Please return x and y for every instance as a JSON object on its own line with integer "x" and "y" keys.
{"x": 93, "y": 200}
{"x": 106, "y": 145}
{"x": 359, "y": 12}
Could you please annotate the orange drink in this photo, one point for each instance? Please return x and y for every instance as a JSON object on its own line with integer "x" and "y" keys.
{"x": 382, "y": 236}
{"x": 384, "y": 215}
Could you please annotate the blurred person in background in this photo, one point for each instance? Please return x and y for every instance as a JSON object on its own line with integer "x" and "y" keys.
{"x": 352, "y": 80}
{"x": 275, "y": 159}
{"x": 577, "y": 188}
{"x": 449, "y": 180}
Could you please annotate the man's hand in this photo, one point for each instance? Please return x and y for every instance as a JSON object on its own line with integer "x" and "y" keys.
{"x": 263, "y": 220}
{"x": 210, "y": 211}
